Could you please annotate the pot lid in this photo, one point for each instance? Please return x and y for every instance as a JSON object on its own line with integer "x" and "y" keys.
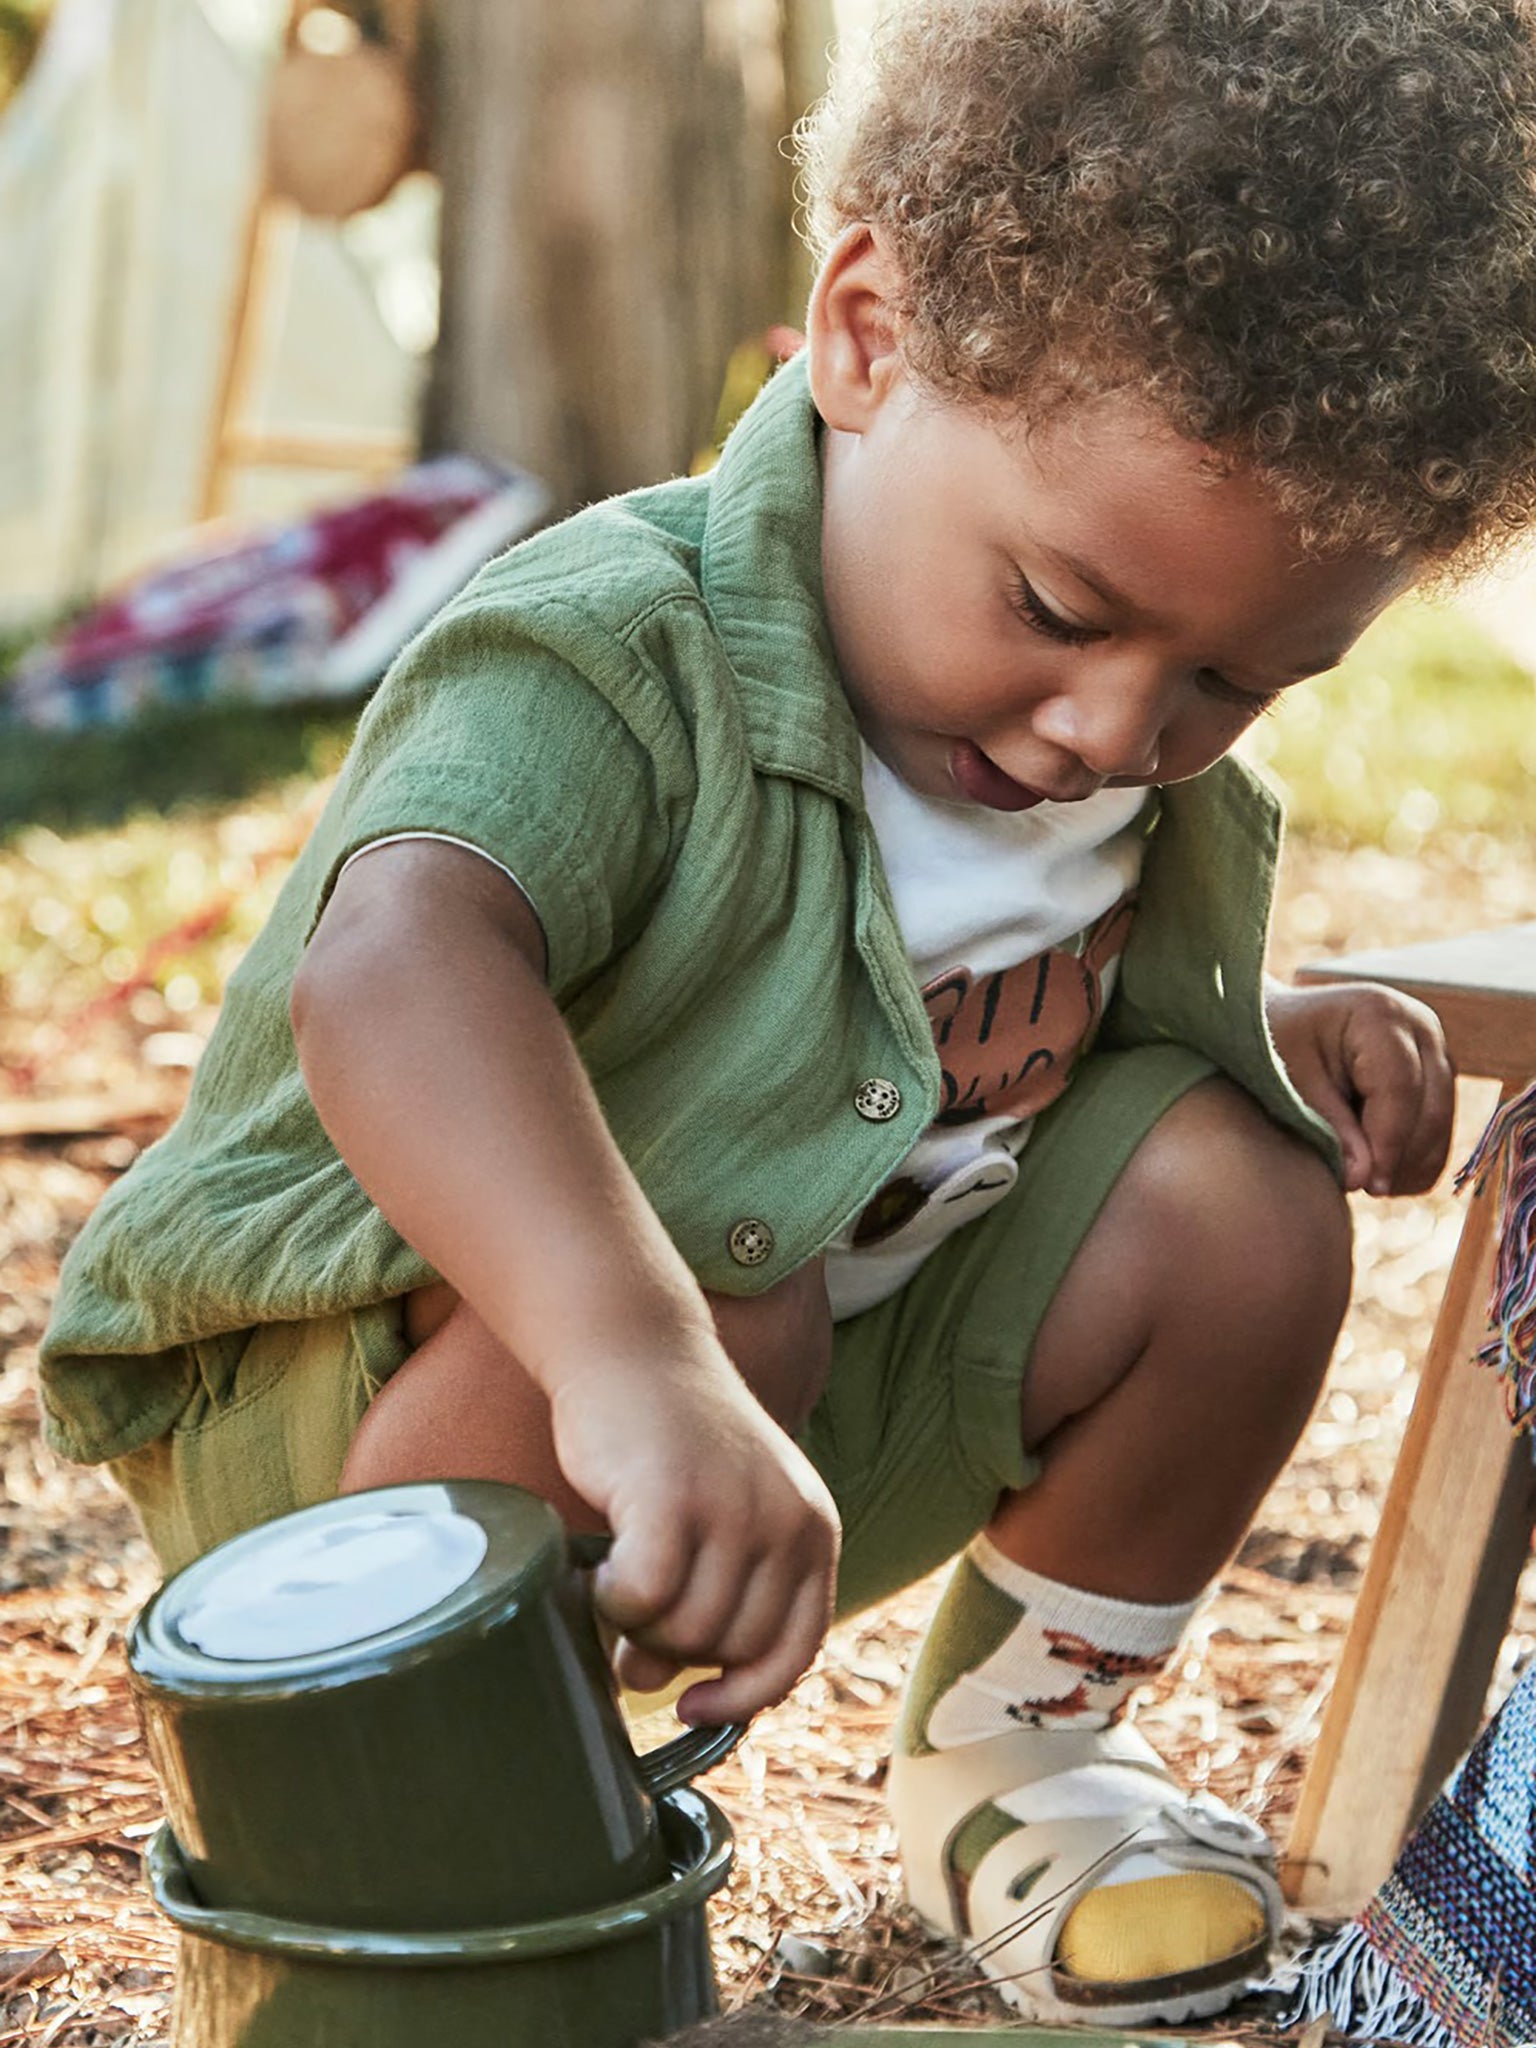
{"x": 349, "y": 1583}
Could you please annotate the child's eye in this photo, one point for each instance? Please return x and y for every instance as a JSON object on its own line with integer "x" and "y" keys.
{"x": 1255, "y": 702}
{"x": 1037, "y": 614}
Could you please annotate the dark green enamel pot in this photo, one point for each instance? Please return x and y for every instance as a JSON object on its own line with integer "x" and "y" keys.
{"x": 392, "y": 1711}
{"x": 608, "y": 1978}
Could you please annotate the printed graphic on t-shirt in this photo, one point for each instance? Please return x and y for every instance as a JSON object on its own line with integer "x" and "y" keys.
{"x": 1008, "y": 1042}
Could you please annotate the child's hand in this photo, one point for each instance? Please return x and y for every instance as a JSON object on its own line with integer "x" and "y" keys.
{"x": 725, "y": 1538}
{"x": 1374, "y": 1064}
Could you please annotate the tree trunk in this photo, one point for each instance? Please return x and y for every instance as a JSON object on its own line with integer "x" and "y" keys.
{"x": 614, "y": 223}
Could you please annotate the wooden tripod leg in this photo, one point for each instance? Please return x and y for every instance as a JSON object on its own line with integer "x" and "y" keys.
{"x": 1433, "y": 1609}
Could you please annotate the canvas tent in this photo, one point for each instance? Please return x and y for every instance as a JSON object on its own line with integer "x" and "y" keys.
{"x": 129, "y": 162}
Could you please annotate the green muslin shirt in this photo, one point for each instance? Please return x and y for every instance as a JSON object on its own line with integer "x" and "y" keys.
{"x": 637, "y": 712}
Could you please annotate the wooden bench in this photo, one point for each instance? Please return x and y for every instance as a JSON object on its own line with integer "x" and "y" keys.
{"x": 1456, "y": 1526}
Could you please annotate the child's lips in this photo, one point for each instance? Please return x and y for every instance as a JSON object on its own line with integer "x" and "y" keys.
{"x": 979, "y": 778}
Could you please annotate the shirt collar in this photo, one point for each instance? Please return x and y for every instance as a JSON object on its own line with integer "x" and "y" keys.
{"x": 761, "y": 574}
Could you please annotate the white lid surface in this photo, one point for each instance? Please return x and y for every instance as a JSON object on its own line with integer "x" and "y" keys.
{"x": 322, "y": 1588}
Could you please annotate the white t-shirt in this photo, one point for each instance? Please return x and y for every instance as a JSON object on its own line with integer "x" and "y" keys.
{"x": 1014, "y": 922}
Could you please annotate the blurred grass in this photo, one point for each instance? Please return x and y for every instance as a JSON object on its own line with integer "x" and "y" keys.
{"x": 213, "y": 753}
{"x": 79, "y": 912}
{"x": 111, "y": 839}
{"x": 1429, "y": 728}
{"x": 108, "y": 840}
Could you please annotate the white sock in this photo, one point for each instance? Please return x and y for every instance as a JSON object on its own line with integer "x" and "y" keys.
{"x": 1071, "y": 1660}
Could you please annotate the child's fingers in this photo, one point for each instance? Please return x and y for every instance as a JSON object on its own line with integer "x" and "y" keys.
{"x": 643, "y": 1670}
{"x": 748, "y": 1688}
{"x": 763, "y": 1607}
{"x": 702, "y": 1623}
{"x": 1407, "y": 1112}
{"x": 642, "y": 1576}
{"x": 1428, "y": 1162}
{"x": 1332, "y": 1104}
{"x": 1389, "y": 1116}
{"x": 732, "y": 1607}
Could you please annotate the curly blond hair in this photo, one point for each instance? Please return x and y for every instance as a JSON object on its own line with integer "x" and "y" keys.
{"x": 1305, "y": 230}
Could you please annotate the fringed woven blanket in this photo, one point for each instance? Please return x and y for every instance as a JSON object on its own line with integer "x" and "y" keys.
{"x": 1507, "y": 1155}
{"x": 1445, "y": 1953}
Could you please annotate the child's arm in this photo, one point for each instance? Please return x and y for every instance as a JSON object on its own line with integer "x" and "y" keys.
{"x": 1373, "y": 1063}
{"x": 447, "y": 1080}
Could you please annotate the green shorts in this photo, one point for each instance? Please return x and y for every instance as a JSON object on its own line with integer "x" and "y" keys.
{"x": 916, "y": 1435}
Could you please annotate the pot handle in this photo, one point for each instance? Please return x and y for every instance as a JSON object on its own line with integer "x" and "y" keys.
{"x": 687, "y": 1755}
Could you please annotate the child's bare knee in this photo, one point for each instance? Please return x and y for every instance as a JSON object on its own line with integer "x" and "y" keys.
{"x": 1229, "y": 1195}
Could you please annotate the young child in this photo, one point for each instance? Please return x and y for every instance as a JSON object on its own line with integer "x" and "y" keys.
{"x": 769, "y": 1035}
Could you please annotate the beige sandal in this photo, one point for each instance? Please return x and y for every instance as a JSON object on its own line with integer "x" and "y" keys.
{"x": 1002, "y": 1838}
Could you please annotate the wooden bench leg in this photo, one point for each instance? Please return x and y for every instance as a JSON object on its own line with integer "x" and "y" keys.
{"x": 1433, "y": 1608}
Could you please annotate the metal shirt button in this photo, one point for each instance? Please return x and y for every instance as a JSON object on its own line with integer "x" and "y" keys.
{"x": 877, "y": 1100}
{"x": 750, "y": 1241}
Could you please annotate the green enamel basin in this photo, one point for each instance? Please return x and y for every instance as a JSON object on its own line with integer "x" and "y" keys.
{"x": 606, "y": 1977}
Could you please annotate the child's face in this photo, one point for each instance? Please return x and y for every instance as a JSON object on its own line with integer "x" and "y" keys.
{"x": 1020, "y": 617}
{"x": 1028, "y": 615}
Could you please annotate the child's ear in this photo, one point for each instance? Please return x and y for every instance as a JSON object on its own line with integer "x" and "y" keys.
{"x": 852, "y": 329}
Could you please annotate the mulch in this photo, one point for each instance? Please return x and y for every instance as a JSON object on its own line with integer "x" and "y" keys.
{"x": 812, "y": 1918}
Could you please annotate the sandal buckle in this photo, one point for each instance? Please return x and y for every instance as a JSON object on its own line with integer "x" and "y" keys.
{"x": 1215, "y": 1825}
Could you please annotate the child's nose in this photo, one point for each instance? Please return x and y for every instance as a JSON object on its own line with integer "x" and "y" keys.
{"x": 1112, "y": 723}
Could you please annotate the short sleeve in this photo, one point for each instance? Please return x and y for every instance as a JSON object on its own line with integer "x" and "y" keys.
{"x": 533, "y": 736}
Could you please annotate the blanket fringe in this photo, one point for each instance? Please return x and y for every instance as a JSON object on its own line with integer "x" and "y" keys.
{"x": 1506, "y": 1155}
{"x": 1347, "y": 1983}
